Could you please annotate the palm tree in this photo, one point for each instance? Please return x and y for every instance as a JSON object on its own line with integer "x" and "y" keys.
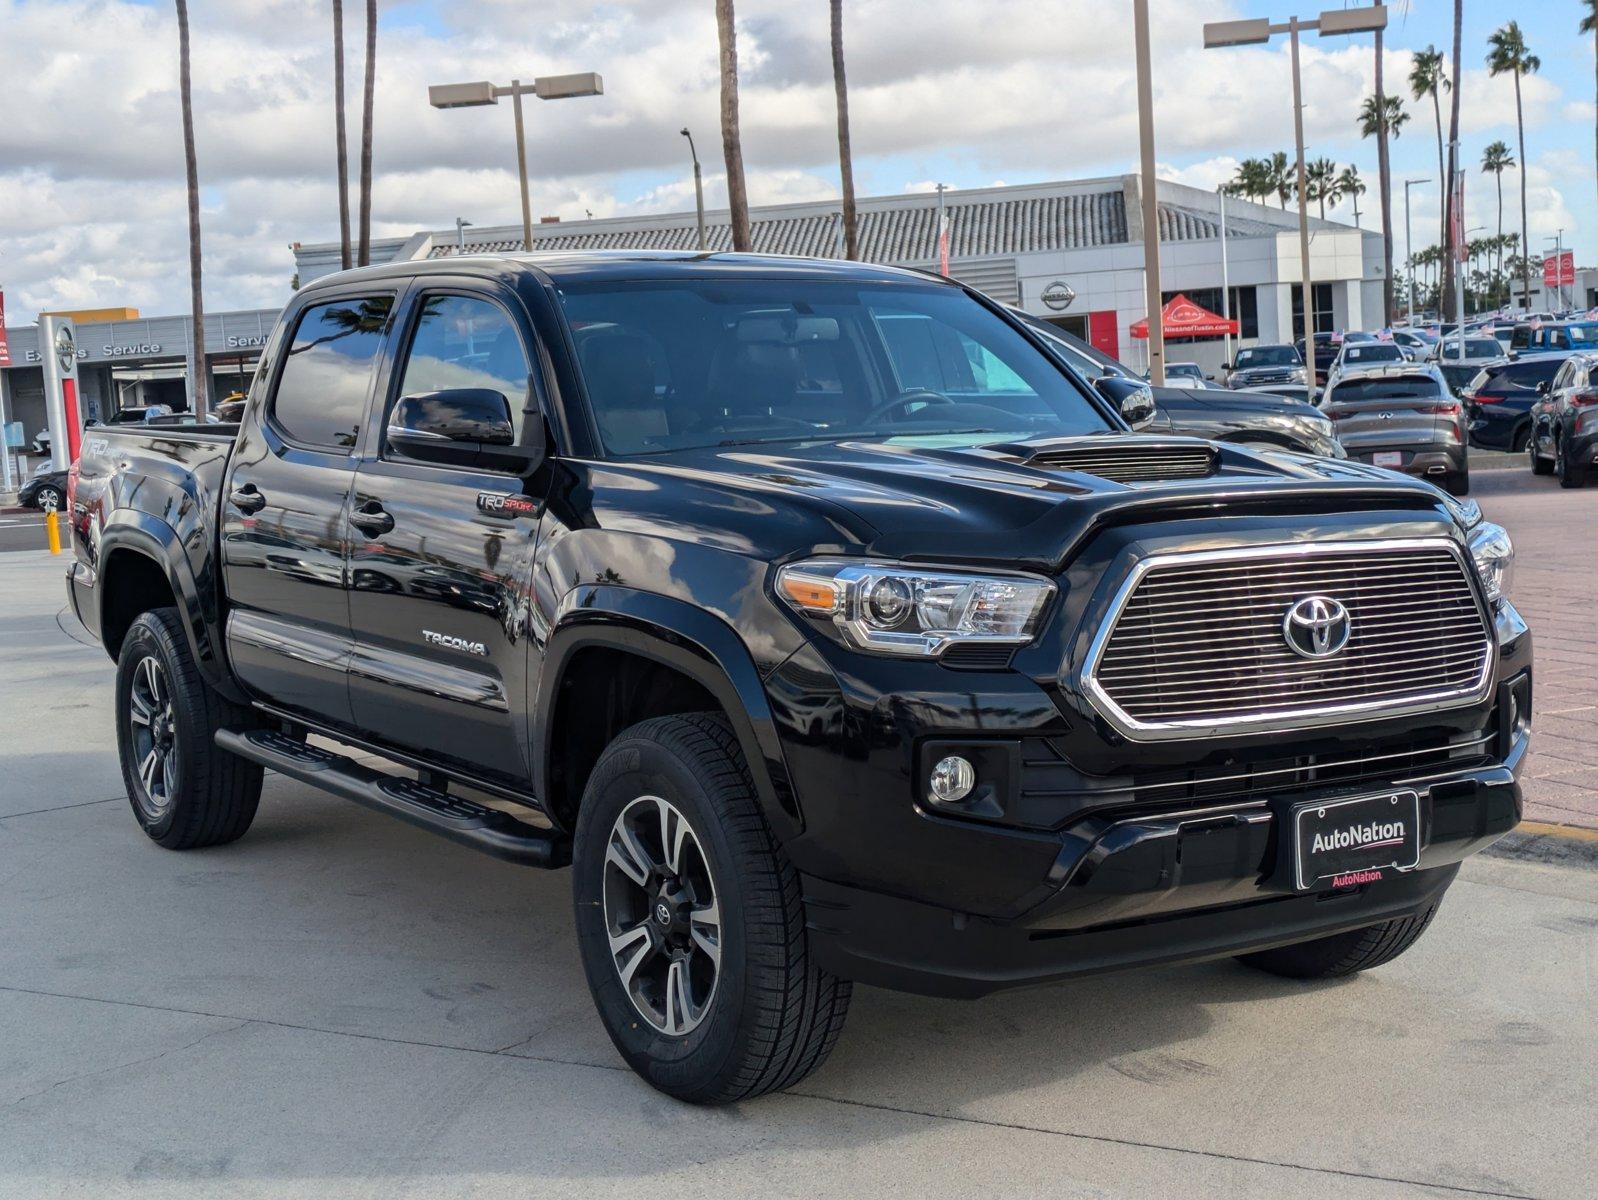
{"x": 343, "y": 146}
{"x": 199, "y": 401}
{"x": 1509, "y": 56}
{"x": 851, "y": 231}
{"x": 1351, "y": 185}
{"x": 1384, "y": 175}
{"x": 366, "y": 133}
{"x": 731, "y": 139}
{"x": 1283, "y": 178}
{"x": 1589, "y": 24}
{"x": 1426, "y": 78}
{"x": 1494, "y": 161}
{"x": 1454, "y": 164}
{"x": 1253, "y": 179}
{"x": 1320, "y": 181}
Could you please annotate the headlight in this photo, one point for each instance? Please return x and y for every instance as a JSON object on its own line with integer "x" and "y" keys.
{"x": 1495, "y": 558}
{"x": 907, "y": 610}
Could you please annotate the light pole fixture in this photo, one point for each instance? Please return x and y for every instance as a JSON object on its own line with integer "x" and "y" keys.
{"x": 1409, "y": 246}
{"x": 461, "y": 224}
{"x": 548, "y": 87}
{"x": 699, "y": 191}
{"x": 1153, "y": 304}
{"x": 1258, "y": 30}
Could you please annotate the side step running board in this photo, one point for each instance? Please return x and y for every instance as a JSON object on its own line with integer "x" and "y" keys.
{"x": 454, "y": 817}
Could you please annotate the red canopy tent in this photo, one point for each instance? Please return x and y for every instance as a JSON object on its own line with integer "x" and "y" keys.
{"x": 1183, "y": 318}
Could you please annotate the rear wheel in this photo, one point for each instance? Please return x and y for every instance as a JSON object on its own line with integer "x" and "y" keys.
{"x": 1343, "y": 953}
{"x": 690, "y": 921}
{"x": 185, "y": 791}
{"x": 1571, "y": 475}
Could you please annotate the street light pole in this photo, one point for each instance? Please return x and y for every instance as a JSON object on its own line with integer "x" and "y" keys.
{"x": 1151, "y": 208}
{"x": 1257, "y": 31}
{"x": 548, "y": 87}
{"x": 460, "y": 233}
{"x": 1409, "y": 246}
{"x": 699, "y": 190}
{"x": 1226, "y": 285}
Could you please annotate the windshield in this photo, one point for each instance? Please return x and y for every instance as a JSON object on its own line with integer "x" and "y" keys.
{"x": 1268, "y": 356}
{"x": 1404, "y": 387}
{"x": 1475, "y": 347}
{"x": 682, "y": 363}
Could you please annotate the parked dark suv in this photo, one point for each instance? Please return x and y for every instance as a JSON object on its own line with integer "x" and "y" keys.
{"x": 824, "y": 624}
{"x": 1564, "y": 435}
{"x": 1498, "y": 400}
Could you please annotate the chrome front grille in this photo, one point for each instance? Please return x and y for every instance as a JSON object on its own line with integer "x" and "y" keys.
{"x": 1131, "y": 464}
{"x": 1195, "y": 642}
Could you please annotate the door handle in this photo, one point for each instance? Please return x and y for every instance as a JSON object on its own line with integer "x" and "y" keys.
{"x": 247, "y": 499}
{"x": 371, "y": 520}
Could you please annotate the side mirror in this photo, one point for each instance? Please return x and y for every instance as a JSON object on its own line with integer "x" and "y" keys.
{"x": 1544, "y": 387}
{"x": 463, "y": 427}
{"x": 1133, "y": 399}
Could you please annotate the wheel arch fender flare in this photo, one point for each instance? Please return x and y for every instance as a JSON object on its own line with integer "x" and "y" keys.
{"x": 133, "y": 533}
{"x": 688, "y": 639}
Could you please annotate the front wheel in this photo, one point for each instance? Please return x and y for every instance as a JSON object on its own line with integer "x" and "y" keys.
{"x": 185, "y": 791}
{"x": 690, "y": 921}
{"x": 1539, "y": 464}
{"x": 49, "y": 498}
{"x": 1343, "y": 953}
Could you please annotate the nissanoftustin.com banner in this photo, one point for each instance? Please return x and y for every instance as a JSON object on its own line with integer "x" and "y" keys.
{"x": 5, "y": 348}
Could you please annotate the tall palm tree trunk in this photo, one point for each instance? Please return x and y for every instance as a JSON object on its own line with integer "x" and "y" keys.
{"x": 1525, "y": 242}
{"x": 1445, "y": 177}
{"x": 1453, "y": 263}
{"x": 199, "y": 385}
{"x": 851, "y": 232}
{"x": 731, "y": 139}
{"x": 365, "y": 255}
{"x": 343, "y": 145}
{"x": 1384, "y": 171}
{"x": 1498, "y": 271}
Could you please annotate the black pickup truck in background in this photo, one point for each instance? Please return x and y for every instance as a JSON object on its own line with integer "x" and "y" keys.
{"x": 826, "y": 624}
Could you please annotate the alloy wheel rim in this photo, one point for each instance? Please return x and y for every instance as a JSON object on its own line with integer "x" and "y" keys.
{"x": 152, "y": 723}
{"x": 662, "y": 917}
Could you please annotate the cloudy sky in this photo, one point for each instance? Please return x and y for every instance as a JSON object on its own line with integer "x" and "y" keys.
{"x": 970, "y": 92}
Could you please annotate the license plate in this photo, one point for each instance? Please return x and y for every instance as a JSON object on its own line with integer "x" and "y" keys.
{"x": 1355, "y": 841}
{"x": 1388, "y": 458}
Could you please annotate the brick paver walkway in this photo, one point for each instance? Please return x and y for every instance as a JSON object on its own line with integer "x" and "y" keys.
{"x": 1556, "y": 588}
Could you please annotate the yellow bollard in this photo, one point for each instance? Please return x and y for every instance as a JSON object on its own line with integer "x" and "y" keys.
{"x": 54, "y": 531}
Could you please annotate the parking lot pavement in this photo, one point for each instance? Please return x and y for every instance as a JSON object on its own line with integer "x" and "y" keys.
{"x": 1556, "y": 588}
{"x": 339, "y": 1005}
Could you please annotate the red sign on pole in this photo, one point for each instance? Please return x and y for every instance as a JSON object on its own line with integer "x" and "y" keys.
{"x": 5, "y": 348}
{"x": 1559, "y": 270}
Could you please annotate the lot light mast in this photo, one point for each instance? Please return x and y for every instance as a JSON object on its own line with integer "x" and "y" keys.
{"x": 548, "y": 87}
{"x": 1257, "y": 31}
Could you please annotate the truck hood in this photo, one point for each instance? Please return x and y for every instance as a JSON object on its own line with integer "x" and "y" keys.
{"x": 997, "y": 503}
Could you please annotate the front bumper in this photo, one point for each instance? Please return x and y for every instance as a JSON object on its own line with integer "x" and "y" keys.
{"x": 1157, "y": 889}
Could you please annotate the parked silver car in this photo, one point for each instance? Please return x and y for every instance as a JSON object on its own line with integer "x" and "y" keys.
{"x": 1403, "y": 416}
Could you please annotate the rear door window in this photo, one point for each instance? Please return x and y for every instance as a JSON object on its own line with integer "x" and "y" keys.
{"x": 327, "y": 372}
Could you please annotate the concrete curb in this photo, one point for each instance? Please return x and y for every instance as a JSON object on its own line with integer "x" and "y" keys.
{"x": 1556, "y": 845}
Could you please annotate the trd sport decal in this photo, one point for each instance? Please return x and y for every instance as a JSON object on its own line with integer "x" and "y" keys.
{"x": 503, "y": 504}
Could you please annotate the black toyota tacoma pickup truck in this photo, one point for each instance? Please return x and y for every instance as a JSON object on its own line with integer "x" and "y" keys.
{"x": 825, "y": 624}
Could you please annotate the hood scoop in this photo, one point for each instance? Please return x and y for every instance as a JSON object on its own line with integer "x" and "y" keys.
{"x": 1130, "y": 461}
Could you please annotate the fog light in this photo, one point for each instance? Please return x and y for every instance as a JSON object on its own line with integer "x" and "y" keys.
{"x": 951, "y": 780}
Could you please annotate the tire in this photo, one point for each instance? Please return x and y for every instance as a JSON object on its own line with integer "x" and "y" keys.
{"x": 191, "y": 793}
{"x": 1519, "y": 440}
{"x": 766, "y": 1016}
{"x": 1343, "y": 953}
{"x": 49, "y": 498}
{"x": 1570, "y": 476}
{"x": 1457, "y": 483}
{"x": 1539, "y": 464}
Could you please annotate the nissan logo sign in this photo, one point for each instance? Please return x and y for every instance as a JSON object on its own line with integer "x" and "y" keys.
{"x": 1058, "y": 295}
